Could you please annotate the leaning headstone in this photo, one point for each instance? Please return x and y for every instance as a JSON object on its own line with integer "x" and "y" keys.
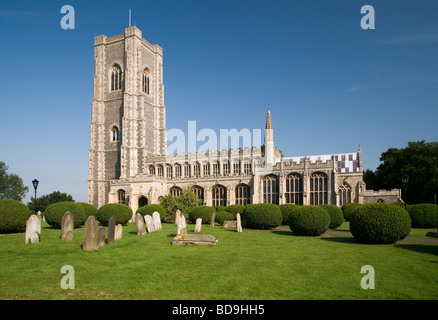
{"x": 213, "y": 217}
{"x": 149, "y": 223}
{"x": 118, "y": 232}
{"x": 111, "y": 230}
{"x": 198, "y": 225}
{"x": 182, "y": 226}
{"x": 91, "y": 234}
{"x": 139, "y": 222}
{"x": 33, "y": 229}
{"x": 156, "y": 219}
{"x": 239, "y": 223}
{"x": 177, "y": 216}
{"x": 101, "y": 233}
{"x": 67, "y": 226}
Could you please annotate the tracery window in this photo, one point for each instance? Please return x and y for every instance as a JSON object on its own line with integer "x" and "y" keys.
{"x": 226, "y": 168}
{"x": 318, "y": 188}
{"x": 175, "y": 191}
{"x": 236, "y": 167}
{"x": 169, "y": 171}
{"x": 243, "y": 194}
{"x": 270, "y": 189}
{"x": 344, "y": 194}
{"x": 206, "y": 169}
{"x": 151, "y": 170}
{"x": 294, "y": 189}
{"x": 219, "y": 195}
{"x": 145, "y": 81}
{"x": 177, "y": 170}
{"x": 247, "y": 167}
{"x": 197, "y": 169}
{"x": 199, "y": 191}
{"x": 121, "y": 196}
{"x": 216, "y": 170}
{"x": 187, "y": 170}
{"x": 160, "y": 171}
{"x": 116, "y": 77}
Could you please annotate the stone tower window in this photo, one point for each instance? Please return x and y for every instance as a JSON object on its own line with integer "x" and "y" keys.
{"x": 318, "y": 189}
{"x": 294, "y": 189}
{"x": 121, "y": 196}
{"x": 145, "y": 86}
{"x": 115, "y": 134}
{"x": 270, "y": 189}
{"x": 116, "y": 78}
{"x": 151, "y": 170}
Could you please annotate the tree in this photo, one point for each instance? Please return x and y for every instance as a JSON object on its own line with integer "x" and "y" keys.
{"x": 419, "y": 160}
{"x": 184, "y": 202}
{"x": 11, "y": 185}
{"x": 44, "y": 201}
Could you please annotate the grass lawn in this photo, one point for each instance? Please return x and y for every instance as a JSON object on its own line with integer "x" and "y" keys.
{"x": 255, "y": 264}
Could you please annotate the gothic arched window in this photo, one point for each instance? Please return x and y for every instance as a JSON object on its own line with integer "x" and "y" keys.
{"x": 219, "y": 195}
{"x": 115, "y": 134}
{"x": 243, "y": 194}
{"x": 294, "y": 189}
{"x": 145, "y": 87}
{"x": 344, "y": 194}
{"x": 199, "y": 191}
{"x": 270, "y": 189}
{"x": 175, "y": 191}
{"x": 116, "y": 78}
{"x": 318, "y": 188}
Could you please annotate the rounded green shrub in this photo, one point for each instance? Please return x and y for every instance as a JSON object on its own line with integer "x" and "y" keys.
{"x": 286, "y": 211}
{"x": 121, "y": 212}
{"x": 203, "y": 212}
{"x": 380, "y": 223}
{"x": 335, "y": 213}
{"x": 151, "y": 208}
{"x": 309, "y": 221}
{"x": 219, "y": 208}
{"x": 423, "y": 215}
{"x": 235, "y": 209}
{"x": 222, "y": 216}
{"x": 262, "y": 216}
{"x": 348, "y": 209}
{"x": 56, "y": 211}
{"x": 89, "y": 209}
{"x": 13, "y": 216}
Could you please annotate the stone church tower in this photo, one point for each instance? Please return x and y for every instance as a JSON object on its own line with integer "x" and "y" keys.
{"x": 128, "y": 112}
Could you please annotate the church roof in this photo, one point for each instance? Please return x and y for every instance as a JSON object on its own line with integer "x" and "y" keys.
{"x": 346, "y": 162}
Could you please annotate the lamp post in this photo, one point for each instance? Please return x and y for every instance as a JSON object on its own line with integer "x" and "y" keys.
{"x": 35, "y": 185}
{"x": 405, "y": 180}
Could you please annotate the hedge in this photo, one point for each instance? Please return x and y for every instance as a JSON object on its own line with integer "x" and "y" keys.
{"x": 262, "y": 216}
{"x": 89, "y": 209}
{"x": 235, "y": 209}
{"x": 121, "y": 212}
{"x": 151, "y": 208}
{"x": 13, "y": 216}
{"x": 222, "y": 216}
{"x": 203, "y": 212}
{"x": 380, "y": 223}
{"x": 335, "y": 213}
{"x": 348, "y": 209}
{"x": 309, "y": 221}
{"x": 56, "y": 211}
{"x": 286, "y": 211}
{"x": 423, "y": 215}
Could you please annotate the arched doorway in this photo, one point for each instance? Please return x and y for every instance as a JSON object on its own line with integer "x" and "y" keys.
{"x": 142, "y": 201}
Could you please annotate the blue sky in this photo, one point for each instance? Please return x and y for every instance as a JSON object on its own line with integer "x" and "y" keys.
{"x": 331, "y": 85}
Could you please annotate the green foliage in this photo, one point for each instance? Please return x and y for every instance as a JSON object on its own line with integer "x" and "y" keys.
{"x": 419, "y": 160}
{"x": 222, "y": 216}
{"x": 121, "y": 212}
{"x": 335, "y": 213}
{"x": 286, "y": 211}
{"x": 89, "y": 209}
{"x": 11, "y": 185}
{"x": 424, "y": 215}
{"x": 219, "y": 208}
{"x": 235, "y": 209}
{"x": 203, "y": 212}
{"x": 184, "y": 202}
{"x": 348, "y": 209}
{"x": 13, "y": 216}
{"x": 309, "y": 221}
{"x": 151, "y": 208}
{"x": 46, "y": 200}
{"x": 56, "y": 211}
{"x": 262, "y": 216}
{"x": 380, "y": 223}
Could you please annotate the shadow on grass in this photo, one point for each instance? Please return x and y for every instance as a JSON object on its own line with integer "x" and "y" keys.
{"x": 284, "y": 232}
{"x": 339, "y": 239}
{"x": 421, "y": 248}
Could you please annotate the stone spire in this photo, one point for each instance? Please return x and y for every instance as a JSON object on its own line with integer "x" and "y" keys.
{"x": 268, "y": 119}
{"x": 269, "y": 140}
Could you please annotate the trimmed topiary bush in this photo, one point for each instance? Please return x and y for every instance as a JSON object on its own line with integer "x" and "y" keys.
{"x": 13, "y": 216}
{"x": 151, "y": 208}
{"x": 121, "y": 212}
{"x": 335, "y": 213}
{"x": 262, "y": 216}
{"x": 222, "y": 216}
{"x": 203, "y": 212}
{"x": 423, "y": 215}
{"x": 309, "y": 221}
{"x": 219, "y": 208}
{"x": 235, "y": 209}
{"x": 56, "y": 211}
{"x": 380, "y": 223}
{"x": 348, "y": 209}
{"x": 286, "y": 211}
{"x": 89, "y": 209}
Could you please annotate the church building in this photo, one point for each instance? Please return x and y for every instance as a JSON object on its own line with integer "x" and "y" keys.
{"x": 128, "y": 160}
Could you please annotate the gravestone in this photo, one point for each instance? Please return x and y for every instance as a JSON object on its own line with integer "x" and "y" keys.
{"x": 156, "y": 218}
{"x": 230, "y": 224}
{"x": 213, "y": 217}
{"x": 111, "y": 230}
{"x": 149, "y": 223}
{"x": 33, "y": 230}
{"x": 101, "y": 233}
{"x": 91, "y": 234}
{"x": 67, "y": 226}
{"x": 182, "y": 226}
{"x": 199, "y": 239}
{"x": 139, "y": 222}
{"x": 177, "y": 216}
{"x": 118, "y": 232}
{"x": 239, "y": 223}
{"x": 198, "y": 225}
